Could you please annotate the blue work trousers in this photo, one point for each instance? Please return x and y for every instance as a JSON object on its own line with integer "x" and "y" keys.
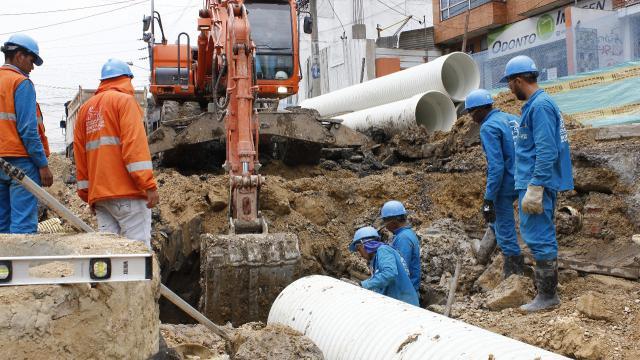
{"x": 539, "y": 230}
{"x": 505, "y": 225}
{"x": 18, "y": 207}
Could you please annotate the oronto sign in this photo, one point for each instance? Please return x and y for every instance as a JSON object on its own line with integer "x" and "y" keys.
{"x": 535, "y": 31}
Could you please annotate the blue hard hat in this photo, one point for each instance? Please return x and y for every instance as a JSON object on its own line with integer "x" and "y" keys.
{"x": 26, "y": 42}
{"x": 519, "y": 65}
{"x": 363, "y": 234}
{"x": 478, "y": 97}
{"x": 392, "y": 208}
{"x": 114, "y": 68}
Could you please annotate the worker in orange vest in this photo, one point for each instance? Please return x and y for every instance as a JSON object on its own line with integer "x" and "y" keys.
{"x": 113, "y": 163}
{"x": 20, "y": 143}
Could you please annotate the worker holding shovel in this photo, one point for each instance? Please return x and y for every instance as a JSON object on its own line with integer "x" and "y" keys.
{"x": 497, "y": 134}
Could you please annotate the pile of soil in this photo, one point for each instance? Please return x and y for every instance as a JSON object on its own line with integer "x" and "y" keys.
{"x": 251, "y": 341}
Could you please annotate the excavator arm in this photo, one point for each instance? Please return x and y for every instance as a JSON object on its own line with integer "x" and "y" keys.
{"x": 241, "y": 124}
{"x": 225, "y": 41}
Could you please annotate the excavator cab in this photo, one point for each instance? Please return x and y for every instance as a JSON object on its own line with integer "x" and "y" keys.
{"x": 276, "y": 68}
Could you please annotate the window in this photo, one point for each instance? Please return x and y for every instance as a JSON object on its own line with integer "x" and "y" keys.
{"x": 271, "y": 32}
{"x": 451, "y": 8}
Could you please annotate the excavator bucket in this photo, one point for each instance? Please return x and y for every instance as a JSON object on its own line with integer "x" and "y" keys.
{"x": 241, "y": 275}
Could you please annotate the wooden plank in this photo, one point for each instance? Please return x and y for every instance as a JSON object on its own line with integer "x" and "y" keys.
{"x": 630, "y": 273}
{"x": 618, "y": 132}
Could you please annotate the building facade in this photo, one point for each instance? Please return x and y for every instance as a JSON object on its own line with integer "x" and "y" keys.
{"x": 563, "y": 37}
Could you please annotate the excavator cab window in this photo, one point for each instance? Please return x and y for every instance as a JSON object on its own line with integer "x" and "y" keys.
{"x": 272, "y": 34}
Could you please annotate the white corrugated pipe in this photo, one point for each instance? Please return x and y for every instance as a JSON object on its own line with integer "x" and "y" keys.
{"x": 350, "y": 323}
{"x": 455, "y": 74}
{"x": 433, "y": 110}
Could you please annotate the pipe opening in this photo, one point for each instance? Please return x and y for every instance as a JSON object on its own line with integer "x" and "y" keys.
{"x": 460, "y": 75}
{"x": 435, "y": 112}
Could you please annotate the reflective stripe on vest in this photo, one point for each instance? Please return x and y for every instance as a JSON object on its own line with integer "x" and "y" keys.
{"x": 103, "y": 140}
{"x": 140, "y": 165}
{"x": 7, "y": 116}
{"x": 83, "y": 184}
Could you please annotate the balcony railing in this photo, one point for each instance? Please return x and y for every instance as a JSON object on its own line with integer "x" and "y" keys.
{"x": 451, "y": 8}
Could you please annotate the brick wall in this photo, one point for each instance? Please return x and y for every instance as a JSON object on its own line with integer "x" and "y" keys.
{"x": 484, "y": 17}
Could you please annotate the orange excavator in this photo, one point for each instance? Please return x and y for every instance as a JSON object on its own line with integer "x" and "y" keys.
{"x": 226, "y": 90}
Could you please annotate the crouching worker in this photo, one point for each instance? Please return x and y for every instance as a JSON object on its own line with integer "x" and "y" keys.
{"x": 390, "y": 276}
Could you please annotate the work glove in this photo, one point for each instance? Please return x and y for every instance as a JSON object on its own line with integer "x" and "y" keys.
{"x": 532, "y": 201}
{"x": 488, "y": 211}
{"x": 352, "y": 282}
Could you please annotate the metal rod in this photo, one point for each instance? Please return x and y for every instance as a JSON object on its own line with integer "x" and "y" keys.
{"x": 452, "y": 289}
{"x": 184, "y": 306}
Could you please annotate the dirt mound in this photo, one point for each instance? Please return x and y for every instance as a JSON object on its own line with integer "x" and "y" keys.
{"x": 569, "y": 329}
{"x": 252, "y": 341}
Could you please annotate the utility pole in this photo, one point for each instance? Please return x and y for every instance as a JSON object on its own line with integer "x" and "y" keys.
{"x": 466, "y": 29}
{"x": 316, "y": 83}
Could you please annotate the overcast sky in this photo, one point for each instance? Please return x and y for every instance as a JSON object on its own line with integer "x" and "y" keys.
{"x": 74, "y": 52}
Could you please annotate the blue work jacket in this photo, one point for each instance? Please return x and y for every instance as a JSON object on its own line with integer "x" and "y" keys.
{"x": 390, "y": 276}
{"x": 542, "y": 149}
{"x": 498, "y": 134}
{"x": 405, "y": 241}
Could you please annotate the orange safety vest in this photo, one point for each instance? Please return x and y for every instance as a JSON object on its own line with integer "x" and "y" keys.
{"x": 41, "y": 131}
{"x": 10, "y": 142}
{"x": 110, "y": 145}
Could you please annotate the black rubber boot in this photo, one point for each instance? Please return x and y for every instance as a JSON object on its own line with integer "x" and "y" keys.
{"x": 513, "y": 265}
{"x": 546, "y": 273}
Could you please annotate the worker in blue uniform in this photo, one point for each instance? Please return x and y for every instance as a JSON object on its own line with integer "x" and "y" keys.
{"x": 543, "y": 167}
{"x": 389, "y": 274}
{"x": 405, "y": 240}
{"x": 498, "y": 132}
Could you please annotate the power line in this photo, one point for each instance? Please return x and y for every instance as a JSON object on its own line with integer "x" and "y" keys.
{"x": 99, "y": 31}
{"x": 93, "y": 54}
{"x": 398, "y": 11}
{"x": 337, "y": 17}
{"x": 87, "y": 45}
{"x": 64, "y": 10}
{"x": 72, "y": 20}
{"x": 184, "y": 10}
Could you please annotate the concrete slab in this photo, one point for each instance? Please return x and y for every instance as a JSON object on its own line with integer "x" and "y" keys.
{"x": 109, "y": 320}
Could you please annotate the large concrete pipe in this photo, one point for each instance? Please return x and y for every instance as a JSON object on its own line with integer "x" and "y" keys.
{"x": 455, "y": 74}
{"x": 433, "y": 110}
{"x": 350, "y": 323}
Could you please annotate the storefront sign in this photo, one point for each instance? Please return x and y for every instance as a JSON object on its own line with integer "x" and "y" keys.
{"x": 535, "y": 31}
